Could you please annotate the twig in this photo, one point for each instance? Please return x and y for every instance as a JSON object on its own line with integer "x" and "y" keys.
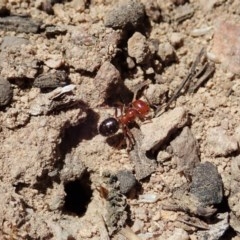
{"x": 202, "y": 74}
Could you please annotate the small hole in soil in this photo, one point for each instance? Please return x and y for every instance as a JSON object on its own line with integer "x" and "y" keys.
{"x": 78, "y": 196}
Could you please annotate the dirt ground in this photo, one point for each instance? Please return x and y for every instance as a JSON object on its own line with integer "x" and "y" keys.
{"x": 66, "y": 66}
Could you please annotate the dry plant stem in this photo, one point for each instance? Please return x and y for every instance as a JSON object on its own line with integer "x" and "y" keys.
{"x": 200, "y": 225}
{"x": 186, "y": 82}
{"x": 209, "y": 71}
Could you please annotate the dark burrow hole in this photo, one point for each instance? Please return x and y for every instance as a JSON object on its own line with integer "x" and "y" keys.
{"x": 78, "y": 195}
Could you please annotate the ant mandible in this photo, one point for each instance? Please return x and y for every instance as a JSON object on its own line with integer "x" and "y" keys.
{"x": 137, "y": 109}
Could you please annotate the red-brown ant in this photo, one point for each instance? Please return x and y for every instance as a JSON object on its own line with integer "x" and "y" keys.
{"x": 137, "y": 109}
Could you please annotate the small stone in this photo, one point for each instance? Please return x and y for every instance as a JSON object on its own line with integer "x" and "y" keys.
{"x": 226, "y": 45}
{"x": 45, "y": 5}
{"x": 156, "y": 216}
{"x": 127, "y": 181}
{"x": 53, "y": 31}
{"x": 15, "y": 118}
{"x": 220, "y": 143}
{"x": 156, "y": 94}
{"x": 142, "y": 214}
{"x": 208, "y": 5}
{"x": 86, "y": 233}
{"x": 148, "y": 198}
{"x": 207, "y": 184}
{"x": 179, "y": 234}
{"x": 196, "y": 32}
{"x": 166, "y": 52}
{"x": 153, "y": 10}
{"x": 160, "y": 128}
{"x": 51, "y": 80}
{"x": 6, "y": 92}
{"x": 234, "y": 198}
{"x": 54, "y": 61}
{"x": 79, "y": 5}
{"x": 186, "y": 150}
{"x": 19, "y": 24}
{"x": 183, "y": 12}
{"x": 10, "y": 41}
{"x": 137, "y": 226}
{"x": 163, "y": 156}
{"x": 235, "y": 172}
{"x": 88, "y": 48}
{"x": 176, "y": 39}
{"x": 138, "y": 47}
{"x": 234, "y": 220}
{"x": 130, "y": 63}
{"x": 107, "y": 77}
{"x": 143, "y": 166}
{"x": 125, "y": 13}
{"x": 217, "y": 228}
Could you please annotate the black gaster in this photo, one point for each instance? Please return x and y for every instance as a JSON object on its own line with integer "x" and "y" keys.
{"x": 109, "y": 126}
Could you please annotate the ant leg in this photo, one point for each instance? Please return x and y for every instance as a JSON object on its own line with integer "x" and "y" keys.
{"x": 129, "y": 136}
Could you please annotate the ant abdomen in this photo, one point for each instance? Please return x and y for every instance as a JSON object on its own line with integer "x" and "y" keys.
{"x": 109, "y": 127}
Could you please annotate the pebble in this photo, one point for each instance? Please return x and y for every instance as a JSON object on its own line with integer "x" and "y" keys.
{"x": 128, "y": 12}
{"x": 176, "y": 39}
{"x": 160, "y": 128}
{"x": 53, "y": 31}
{"x": 142, "y": 214}
{"x": 127, "y": 181}
{"x": 51, "y": 80}
{"x": 153, "y": 10}
{"x": 138, "y": 47}
{"x": 10, "y": 41}
{"x": 19, "y": 24}
{"x": 183, "y": 12}
{"x": 208, "y": 5}
{"x": 137, "y": 226}
{"x": 226, "y": 45}
{"x": 15, "y": 118}
{"x": 6, "y": 92}
{"x": 220, "y": 143}
{"x": 163, "y": 156}
{"x": 107, "y": 76}
{"x": 186, "y": 150}
{"x": 148, "y": 198}
{"x": 156, "y": 94}
{"x": 166, "y": 52}
{"x": 207, "y": 184}
{"x": 201, "y": 31}
{"x": 130, "y": 63}
{"x": 54, "y": 61}
{"x": 179, "y": 234}
{"x": 234, "y": 198}
{"x": 217, "y": 229}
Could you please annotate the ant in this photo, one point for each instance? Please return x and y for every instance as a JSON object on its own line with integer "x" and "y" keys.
{"x": 136, "y": 109}
{"x": 139, "y": 109}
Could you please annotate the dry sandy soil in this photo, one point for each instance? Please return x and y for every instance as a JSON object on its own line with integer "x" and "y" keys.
{"x": 66, "y": 66}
